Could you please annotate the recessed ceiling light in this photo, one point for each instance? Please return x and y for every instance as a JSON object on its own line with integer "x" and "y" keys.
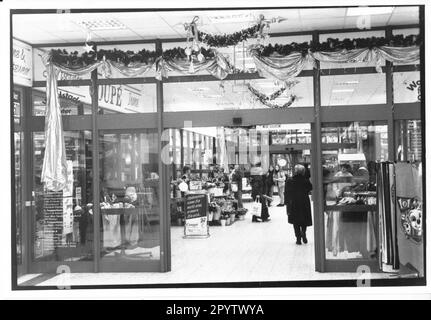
{"x": 100, "y": 24}
{"x": 364, "y": 11}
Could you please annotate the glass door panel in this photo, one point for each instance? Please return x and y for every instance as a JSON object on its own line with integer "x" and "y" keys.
{"x": 130, "y": 206}
{"x": 350, "y": 151}
{"x": 62, "y": 222}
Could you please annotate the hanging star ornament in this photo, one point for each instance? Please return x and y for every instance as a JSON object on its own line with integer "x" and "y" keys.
{"x": 88, "y": 48}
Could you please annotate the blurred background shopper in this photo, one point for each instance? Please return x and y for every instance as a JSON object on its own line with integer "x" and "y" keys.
{"x": 258, "y": 186}
{"x": 280, "y": 179}
{"x": 270, "y": 183}
{"x": 236, "y": 186}
{"x": 298, "y": 205}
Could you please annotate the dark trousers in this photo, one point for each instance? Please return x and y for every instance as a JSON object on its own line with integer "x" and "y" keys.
{"x": 299, "y": 230}
{"x": 238, "y": 196}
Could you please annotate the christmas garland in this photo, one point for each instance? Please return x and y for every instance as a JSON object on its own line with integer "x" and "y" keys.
{"x": 266, "y": 100}
{"x": 229, "y": 40}
{"x": 331, "y": 45}
{"x": 76, "y": 60}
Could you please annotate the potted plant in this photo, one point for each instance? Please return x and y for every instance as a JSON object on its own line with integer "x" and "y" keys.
{"x": 217, "y": 213}
{"x": 241, "y": 213}
{"x": 223, "y": 220}
{"x": 232, "y": 216}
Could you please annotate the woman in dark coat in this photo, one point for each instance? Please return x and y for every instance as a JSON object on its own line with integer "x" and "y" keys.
{"x": 298, "y": 203}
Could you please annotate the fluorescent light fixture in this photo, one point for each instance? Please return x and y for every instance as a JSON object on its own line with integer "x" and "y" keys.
{"x": 365, "y": 11}
{"x": 101, "y": 24}
{"x": 342, "y": 90}
{"x": 231, "y": 17}
{"x": 202, "y": 89}
{"x": 347, "y": 82}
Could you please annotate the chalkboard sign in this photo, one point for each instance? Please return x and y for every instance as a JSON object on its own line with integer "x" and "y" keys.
{"x": 196, "y": 215}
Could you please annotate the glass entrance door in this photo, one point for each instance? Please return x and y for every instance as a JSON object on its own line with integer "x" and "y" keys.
{"x": 62, "y": 222}
{"x": 130, "y": 201}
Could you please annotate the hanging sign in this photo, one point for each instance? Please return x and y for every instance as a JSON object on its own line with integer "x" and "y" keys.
{"x": 196, "y": 215}
{"x": 22, "y": 64}
{"x": 195, "y": 185}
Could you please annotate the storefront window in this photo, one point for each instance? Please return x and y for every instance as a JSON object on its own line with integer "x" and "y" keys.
{"x": 409, "y": 140}
{"x": 355, "y": 89}
{"x": 233, "y": 95}
{"x": 349, "y": 156}
{"x": 407, "y": 87}
{"x": 18, "y": 145}
{"x": 129, "y": 191}
{"x": 63, "y": 221}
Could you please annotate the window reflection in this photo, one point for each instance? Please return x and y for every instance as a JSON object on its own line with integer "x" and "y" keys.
{"x": 129, "y": 196}
{"x": 63, "y": 221}
{"x": 350, "y": 154}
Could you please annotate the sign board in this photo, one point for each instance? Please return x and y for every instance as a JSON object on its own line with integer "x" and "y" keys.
{"x": 196, "y": 215}
{"x": 195, "y": 185}
{"x": 22, "y": 64}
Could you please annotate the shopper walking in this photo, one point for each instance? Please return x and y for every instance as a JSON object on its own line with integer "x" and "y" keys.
{"x": 257, "y": 181}
{"x": 298, "y": 205}
{"x": 270, "y": 183}
{"x": 237, "y": 176}
{"x": 280, "y": 179}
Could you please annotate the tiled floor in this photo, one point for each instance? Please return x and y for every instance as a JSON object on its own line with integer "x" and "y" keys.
{"x": 244, "y": 251}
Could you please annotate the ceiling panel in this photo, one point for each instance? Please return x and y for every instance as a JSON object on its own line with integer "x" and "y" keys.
{"x": 333, "y": 23}
{"x": 403, "y": 10}
{"x": 146, "y": 34}
{"x": 379, "y": 20}
{"x": 323, "y": 13}
{"x": 404, "y": 19}
{"x": 53, "y": 27}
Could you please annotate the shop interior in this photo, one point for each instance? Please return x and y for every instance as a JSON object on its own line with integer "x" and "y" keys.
{"x": 145, "y": 148}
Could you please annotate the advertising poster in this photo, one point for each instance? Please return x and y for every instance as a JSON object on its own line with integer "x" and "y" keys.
{"x": 68, "y": 201}
{"x": 196, "y": 216}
